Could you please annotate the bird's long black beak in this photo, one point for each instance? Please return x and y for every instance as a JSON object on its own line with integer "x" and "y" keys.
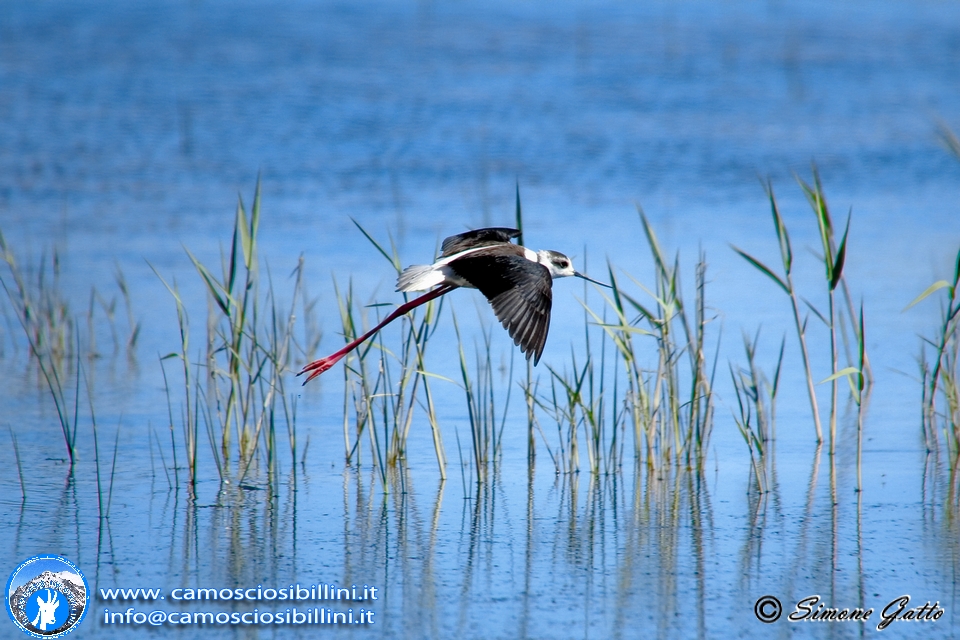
{"x": 580, "y": 275}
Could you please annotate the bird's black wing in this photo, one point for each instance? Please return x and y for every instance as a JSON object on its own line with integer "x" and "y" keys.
{"x": 520, "y": 292}
{"x": 476, "y": 238}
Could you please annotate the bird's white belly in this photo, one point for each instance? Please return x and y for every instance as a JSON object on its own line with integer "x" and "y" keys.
{"x": 451, "y": 277}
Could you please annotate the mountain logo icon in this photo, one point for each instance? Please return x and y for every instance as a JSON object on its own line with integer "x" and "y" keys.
{"x": 47, "y": 596}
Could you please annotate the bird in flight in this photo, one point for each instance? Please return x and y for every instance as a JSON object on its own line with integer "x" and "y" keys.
{"x": 515, "y": 280}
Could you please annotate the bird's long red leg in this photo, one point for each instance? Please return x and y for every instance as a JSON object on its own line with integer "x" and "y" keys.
{"x": 317, "y": 367}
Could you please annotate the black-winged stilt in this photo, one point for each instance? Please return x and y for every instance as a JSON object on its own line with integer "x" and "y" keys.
{"x": 515, "y": 280}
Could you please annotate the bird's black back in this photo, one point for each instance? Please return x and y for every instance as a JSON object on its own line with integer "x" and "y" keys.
{"x": 477, "y": 238}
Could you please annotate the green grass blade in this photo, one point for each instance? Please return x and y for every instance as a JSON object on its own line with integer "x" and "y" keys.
{"x": 936, "y": 286}
{"x": 763, "y": 269}
{"x": 254, "y": 220}
{"x": 641, "y": 309}
{"x": 783, "y": 238}
{"x": 245, "y": 240}
{"x": 213, "y": 286}
{"x": 615, "y": 287}
{"x": 652, "y": 241}
{"x": 810, "y": 306}
{"x": 862, "y": 340}
{"x": 956, "y": 272}
{"x": 837, "y": 269}
{"x": 391, "y": 259}
{"x": 849, "y": 371}
{"x": 818, "y": 203}
{"x": 425, "y": 373}
{"x": 775, "y": 384}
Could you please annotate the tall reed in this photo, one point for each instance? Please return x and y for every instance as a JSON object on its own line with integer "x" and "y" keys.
{"x": 833, "y": 258}
{"x": 44, "y": 315}
{"x": 859, "y": 381}
{"x": 756, "y": 404}
{"x": 941, "y": 375}
{"x": 579, "y": 401}
{"x": 486, "y": 431}
{"x": 237, "y": 386}
{"x": 383, "y": 396}
{"x": 669, "y": 407}
{"x": 786, "y": 283}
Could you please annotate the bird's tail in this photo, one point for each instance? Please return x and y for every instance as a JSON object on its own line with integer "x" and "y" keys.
{"x": 419, "y": 277}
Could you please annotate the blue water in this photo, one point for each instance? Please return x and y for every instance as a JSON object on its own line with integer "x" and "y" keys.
{"x": 127, "y": 131}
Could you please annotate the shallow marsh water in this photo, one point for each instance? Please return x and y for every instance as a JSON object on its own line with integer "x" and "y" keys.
{"x": 128, "y": 130}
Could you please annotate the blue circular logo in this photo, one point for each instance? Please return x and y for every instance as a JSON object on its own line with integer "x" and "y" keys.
{"x": 47, "y": 596}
